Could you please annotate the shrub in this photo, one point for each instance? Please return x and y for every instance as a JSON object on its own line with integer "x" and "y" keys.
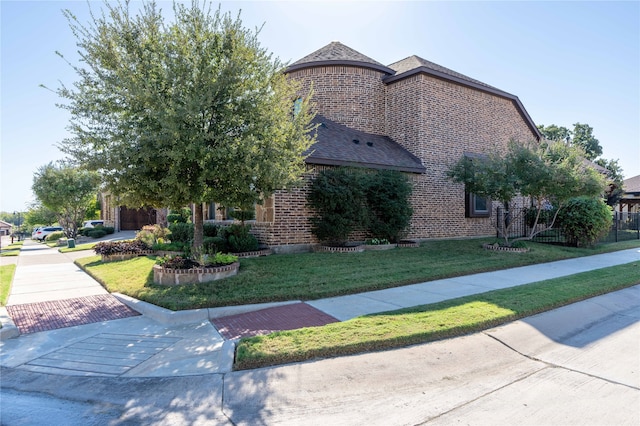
{"x": 109, "y": 229}
{"x": 182, "y": 262}
{"x": 584, "y": 220}
{"x": 210, "y": 229}
{"x": 243, "y": 215}
{"x": 175, "y": 218}
{"x": 177, "y": 262}
{"x": 97, "y": 233}
{"x": 387, "y": 198}
{"x": 168, "y": 246}
{"x": 152, "y": 234}
{"x": 116, "y": 247}
{"x": 181, "y": 232}
{"x": 338, "y": 200}
{"x": 239, "y": 239}
{"x": 215, "y": 245}
{"x": 55, "y": 236}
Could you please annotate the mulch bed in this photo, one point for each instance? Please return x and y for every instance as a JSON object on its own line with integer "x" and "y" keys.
{"x": 265, "y": 321}
{"x": 52, "y": 315}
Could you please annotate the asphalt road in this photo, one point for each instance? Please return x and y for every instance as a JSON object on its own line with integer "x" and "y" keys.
{"x": 575, "y": 365}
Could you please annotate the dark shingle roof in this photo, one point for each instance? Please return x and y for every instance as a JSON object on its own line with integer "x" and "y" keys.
{"x": 631, "y": 185}
{"x": 336, "y": 145}
{"x": 337, "y": 53}
{"x": 415, "y": 62}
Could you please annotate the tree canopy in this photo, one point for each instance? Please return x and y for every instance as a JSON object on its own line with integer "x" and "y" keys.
{"x": 549, "y": 175}
{"x": 581, "y": 136}
{"x": 188, "y": 111}
{"x": 68, "y": 191}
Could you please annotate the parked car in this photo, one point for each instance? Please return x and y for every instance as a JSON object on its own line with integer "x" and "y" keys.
{"x": 92, "y": 223}
{"x": 41, "y": 233}
{"x": 35, "y": 230}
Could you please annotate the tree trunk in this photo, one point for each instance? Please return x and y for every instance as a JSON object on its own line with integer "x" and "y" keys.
{"x": 198, "y": 231}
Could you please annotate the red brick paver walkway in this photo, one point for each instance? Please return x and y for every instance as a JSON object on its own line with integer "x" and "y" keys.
{"x": 265, "y": 321}
{"x": 43, "y": 316}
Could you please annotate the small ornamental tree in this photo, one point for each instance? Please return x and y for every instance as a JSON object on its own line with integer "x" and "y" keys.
{"x": 584, "y": 220}
{"x": 67, "y": 191}
{"x": 548, "y": 174}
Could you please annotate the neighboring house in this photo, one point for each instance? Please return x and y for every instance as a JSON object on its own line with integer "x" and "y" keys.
{"x": 5, "y": 227}
{"x": 127, "y": 219}
{"x": 630, "y": 201}
{"x": 413, "y": 116}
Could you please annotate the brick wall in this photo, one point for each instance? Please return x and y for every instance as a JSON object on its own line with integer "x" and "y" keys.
{"x": 433, "y": 119}
{"x": 439, "y": 121}
{"x": 353, "y": 96}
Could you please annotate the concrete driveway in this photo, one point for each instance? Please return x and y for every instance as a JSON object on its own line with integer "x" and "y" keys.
{"x": 575, "y": 365}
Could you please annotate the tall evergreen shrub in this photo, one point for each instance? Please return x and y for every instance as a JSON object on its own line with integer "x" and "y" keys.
{"x": 338, "y": 200}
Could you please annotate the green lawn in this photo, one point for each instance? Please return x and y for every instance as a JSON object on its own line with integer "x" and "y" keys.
{"x": 430, "y": 322}
{"x": 78, "y": 247}
{"x": 12, "y": 249}
{"x": 310, "y": 276}
{"x": 6, "y": 278}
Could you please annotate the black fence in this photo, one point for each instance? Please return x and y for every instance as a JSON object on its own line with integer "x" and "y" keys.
{"x": 626, "y": 226}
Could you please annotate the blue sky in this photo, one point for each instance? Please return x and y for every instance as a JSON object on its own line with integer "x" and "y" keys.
{"x": 568, "y": 62}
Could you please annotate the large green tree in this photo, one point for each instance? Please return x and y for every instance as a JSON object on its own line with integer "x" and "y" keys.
{"x": 40, "y": 215}
{"x": 615, "y": 181}
{"x": 548, "y": 174}
{"x": 181, "y": 112}
{"x": 581, "y": 135}
{"x": 68, "y": 191}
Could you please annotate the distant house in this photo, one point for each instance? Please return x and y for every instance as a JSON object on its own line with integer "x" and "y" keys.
{"x": 413, "y": 116}
{"x": 5, "y": 227}
{"x": 630, "y": 201}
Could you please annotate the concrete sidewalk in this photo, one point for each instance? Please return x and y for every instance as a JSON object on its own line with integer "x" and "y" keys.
{"x": 162, "y": 343}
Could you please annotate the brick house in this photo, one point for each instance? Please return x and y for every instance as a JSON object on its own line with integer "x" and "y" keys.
{"x": 413, "y": 116}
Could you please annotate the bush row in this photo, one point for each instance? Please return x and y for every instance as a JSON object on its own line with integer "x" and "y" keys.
{"x": 346, "y": 199}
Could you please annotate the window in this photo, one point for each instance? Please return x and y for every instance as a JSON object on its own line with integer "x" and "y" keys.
{"x": 476, "y": 206}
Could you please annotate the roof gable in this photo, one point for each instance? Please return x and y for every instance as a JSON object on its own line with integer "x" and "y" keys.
{"x": 339, "y": 145}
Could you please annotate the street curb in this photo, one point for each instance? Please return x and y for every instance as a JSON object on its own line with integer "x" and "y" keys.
{"x": 9, "y": 329}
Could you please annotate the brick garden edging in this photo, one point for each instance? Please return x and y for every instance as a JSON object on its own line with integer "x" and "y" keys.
{"x": 171, "y": 277}
{"x": 331, "y": 249}
{"x": 507, "y": 249}
{"x": 257, "y": 253}
{"x": 408, "y": 243}
{"x": 378, "y": 247}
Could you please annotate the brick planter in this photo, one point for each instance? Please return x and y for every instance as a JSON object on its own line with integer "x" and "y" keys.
{"x": 507, "y": 249}
{"x": 331, "y": 249}
{"x": 124, "y": 256}
{"x": 171, "y": 277}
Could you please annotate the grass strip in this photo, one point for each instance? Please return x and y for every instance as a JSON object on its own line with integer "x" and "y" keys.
{"x": 79, "y": 247}
{"x": 309, "y": 276}
{"x": 12, "y": 249}
{"x": 6, "y": 278}
{"x": 430, "y": 322}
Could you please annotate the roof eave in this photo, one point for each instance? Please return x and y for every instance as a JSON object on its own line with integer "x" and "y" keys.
{"x": 361, "y": 64}
{"x": 335, "y": 162}
{"x": 462, "y": 82}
